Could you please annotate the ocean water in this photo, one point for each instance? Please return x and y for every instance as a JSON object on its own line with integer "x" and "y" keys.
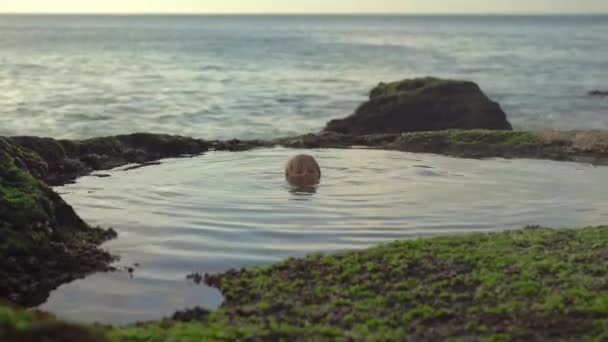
{"x": 227, "y": 210}
{"x": 269, "y": 76}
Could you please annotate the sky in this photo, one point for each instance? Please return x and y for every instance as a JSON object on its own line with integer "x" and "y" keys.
{"x": 304, "y": 6}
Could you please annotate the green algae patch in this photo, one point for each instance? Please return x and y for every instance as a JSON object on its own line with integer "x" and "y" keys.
{"x": 415, "y": 86}
{"x": 23, "y": 325}
{"x": 422, "y": 104}
{"x": 483, "y": 144}
{"x": 513, "y": 139}
{"x": 530, "y": 284}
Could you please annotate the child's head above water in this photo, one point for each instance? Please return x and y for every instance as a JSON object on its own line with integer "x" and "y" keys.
{"x": 302, "y": 169}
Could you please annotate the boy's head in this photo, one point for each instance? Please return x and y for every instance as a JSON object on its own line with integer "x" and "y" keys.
{"x": 302, "y": 169}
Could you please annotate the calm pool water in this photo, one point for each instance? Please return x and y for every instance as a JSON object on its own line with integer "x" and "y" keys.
{"x": 224, "y": 210}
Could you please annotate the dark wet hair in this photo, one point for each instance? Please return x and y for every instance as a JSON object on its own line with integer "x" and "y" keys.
{"x": 300, "y": 159}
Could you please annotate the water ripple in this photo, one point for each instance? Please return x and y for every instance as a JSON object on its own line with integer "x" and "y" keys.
{"x": 223, "y": 210}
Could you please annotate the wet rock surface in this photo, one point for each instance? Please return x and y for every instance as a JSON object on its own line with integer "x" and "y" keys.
{"x": 67, "y": 160}
{"x": 57, "y": 162}
{"x": 579, "y": 146}
{"x": 423, "y": 104}
{"x": 43, "y": 243}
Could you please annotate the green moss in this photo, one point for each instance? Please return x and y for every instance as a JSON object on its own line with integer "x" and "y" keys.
{"x": 19, "y": 189}
{"x": 530, "y": 284}
{"x": 23, "y": 199}
{"x": 42, "y": 240}
{"x": 525, "y": 284}
{"x": 18, "y": 319}
{"x": 488, "y": 138}
{"x": 22, "y": 325}
{"x": 411, "y": 86}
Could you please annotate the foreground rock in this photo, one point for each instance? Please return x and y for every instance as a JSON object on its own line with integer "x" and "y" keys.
{"x": 59, "y": 161}
{"x": 423, "y": 104}
{"x": 533, "y": 284}
{"x": 43, "y": 243}
{"x": 578, "y": 146}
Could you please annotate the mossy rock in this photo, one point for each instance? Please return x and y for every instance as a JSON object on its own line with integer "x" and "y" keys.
{"x": 66, "y": 160}
{"x": 43, "y": 243}
{"x": 512, "y": 140}
{"x": 423, "y": 104}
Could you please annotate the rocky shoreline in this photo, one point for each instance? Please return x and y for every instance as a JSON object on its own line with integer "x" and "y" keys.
{"x": 533, "y": 284}
{"x": 576, "y": 146}
{"x": 352, "y": 296}
{"x": 43, "y": 241}
{"x": 57, "y": 162}
{"x": 44, "y": 257}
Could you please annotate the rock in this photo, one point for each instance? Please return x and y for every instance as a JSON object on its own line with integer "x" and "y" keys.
{"x": 52, "y": 331}
{"x": 236, "y": 145}
{"x": 195, "y": 277}
{"x": 600, "y": 93}
{"x": 195, "y": 314}
{"x": 423, "y": 104}
{"x": 42, "y": 232}
{"x": 61, "y": 161}
{"x": 329, "y": 139}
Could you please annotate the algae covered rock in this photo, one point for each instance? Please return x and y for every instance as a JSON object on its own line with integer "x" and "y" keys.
{"x": 66, "y": 160}
{"x": 43, "y": 243}
{"x": 423, "y": 104}
{"x": 18, "y": 325}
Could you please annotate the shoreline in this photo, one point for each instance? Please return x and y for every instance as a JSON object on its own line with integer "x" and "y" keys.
{"x": 60, "y": 161}
{"x": 528, "y": 284}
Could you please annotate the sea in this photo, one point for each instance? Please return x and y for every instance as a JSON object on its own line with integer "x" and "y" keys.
{"x": 262, "y": 76}
{"x": 224, "y": 77}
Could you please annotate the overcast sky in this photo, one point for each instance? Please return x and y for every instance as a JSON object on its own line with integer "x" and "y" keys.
{"x": 304, "y": 6}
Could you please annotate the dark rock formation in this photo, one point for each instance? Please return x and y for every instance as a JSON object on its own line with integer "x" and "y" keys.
{"x": 190, "y": 315}
{"x": 600, "y": 93}
{"x": 43, "y": 243}
{"x": 236, "y": 145}
{"x": 61, "y": 161}
{"x": 328, "y": 139}
{"x": 423, "y": 104}
{"x": 57, "y": 162}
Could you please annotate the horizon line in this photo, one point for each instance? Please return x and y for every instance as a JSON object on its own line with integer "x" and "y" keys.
{"x": 316, "y": 13}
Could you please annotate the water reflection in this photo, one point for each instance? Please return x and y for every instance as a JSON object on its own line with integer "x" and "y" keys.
{"x": 302, "y": 191}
